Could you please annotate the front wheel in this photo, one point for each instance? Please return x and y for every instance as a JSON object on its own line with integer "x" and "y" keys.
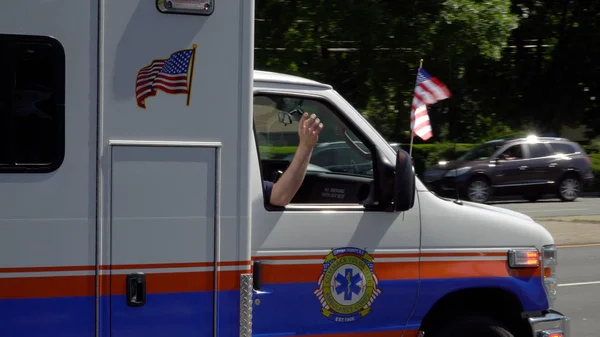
{"x": 473, "y": 326}
{"x": 569, "y": 188}
{"x": 479, "y": 190}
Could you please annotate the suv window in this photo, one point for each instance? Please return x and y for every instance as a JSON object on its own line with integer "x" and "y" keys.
{"x": 563, "y": 148}
{"x": 341, "y": 167}
{"x": 481, "y": 152}
{"x": 32, "y": 97}
{"x": 537, "y": 150}
{"x": 324, "y": 158}
{"x": 513, "y": 152}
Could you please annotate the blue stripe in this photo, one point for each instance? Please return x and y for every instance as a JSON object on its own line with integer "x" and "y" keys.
{"x": 287, "y": 309}
{"x": 66, "y": 316}
{"x": 172, "y": 314}
{"x": 529, "y": 291}
{"x": 282, "y": 309}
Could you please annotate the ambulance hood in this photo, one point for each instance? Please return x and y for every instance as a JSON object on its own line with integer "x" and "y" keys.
{"x": 498, "y": 210}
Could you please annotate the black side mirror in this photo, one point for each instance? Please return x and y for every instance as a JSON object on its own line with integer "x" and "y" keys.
{"x": 404, "y": 182}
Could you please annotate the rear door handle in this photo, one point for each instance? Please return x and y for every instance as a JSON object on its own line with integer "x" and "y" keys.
{"x": 552, "y": 164}
{"x": 522, "y": 167}
{"x": 136, "y": 289}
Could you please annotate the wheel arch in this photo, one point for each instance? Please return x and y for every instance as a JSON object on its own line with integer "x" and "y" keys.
{"x": 498, "y": 303}
{"x": 569, "y": 172}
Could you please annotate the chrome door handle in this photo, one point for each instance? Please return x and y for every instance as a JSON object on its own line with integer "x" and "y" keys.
{"x": 522, "y": 167}
{"x": 552, "y": 164}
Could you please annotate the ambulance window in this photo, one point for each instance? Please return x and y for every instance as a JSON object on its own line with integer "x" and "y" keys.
{"x": 338, "y": 172}
{"x": 32, "y": 98}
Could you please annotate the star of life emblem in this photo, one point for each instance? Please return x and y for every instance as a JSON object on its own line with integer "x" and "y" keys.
{"x": 348, "y": 285}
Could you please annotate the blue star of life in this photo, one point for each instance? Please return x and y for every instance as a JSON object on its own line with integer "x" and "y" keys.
{"x": 348, "y": 284}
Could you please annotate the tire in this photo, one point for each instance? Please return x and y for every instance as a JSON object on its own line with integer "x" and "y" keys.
{"x": 569, "y": 188}
{"x": 472, "y": 326}
{"x": 168, "y": 4}
{"x": 479, "y": 190}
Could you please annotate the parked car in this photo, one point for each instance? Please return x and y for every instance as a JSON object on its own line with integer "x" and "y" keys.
{"x": 529, "y": 167}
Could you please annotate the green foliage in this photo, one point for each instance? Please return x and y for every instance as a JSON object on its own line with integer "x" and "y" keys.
{"x": 593, "y": 147}
{"x": 512, "y": 66}
{"x": 595, "y": 187}
{"x": 427, "y": 155}
{"x": 483, "y": 26}
{"x": 276, "y": 152}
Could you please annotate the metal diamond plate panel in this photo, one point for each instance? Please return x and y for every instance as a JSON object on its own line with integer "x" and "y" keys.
{"x": 246, "y": 306}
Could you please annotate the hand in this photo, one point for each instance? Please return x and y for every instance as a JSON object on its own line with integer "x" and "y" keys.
{"x": 309, "y": 130}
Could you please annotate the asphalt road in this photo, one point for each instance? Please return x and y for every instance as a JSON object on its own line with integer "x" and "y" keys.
{"x": 553, "y": 207}
{"x": 578, "y": 294}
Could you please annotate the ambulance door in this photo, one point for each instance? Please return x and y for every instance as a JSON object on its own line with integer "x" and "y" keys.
{"x": 328, "y": 264}
{"x": 171, "y": 91}
{"x": 48, "y": 114}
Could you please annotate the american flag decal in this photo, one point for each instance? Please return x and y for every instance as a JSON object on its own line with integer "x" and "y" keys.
{"x": 172, "y": 75}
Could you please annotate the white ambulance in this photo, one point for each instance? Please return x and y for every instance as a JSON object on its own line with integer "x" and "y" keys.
{"x": 135, "y": 138}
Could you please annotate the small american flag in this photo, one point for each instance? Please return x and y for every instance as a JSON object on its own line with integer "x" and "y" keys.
{"x": 169, "y": 75}
{"x": 428, "y": 90}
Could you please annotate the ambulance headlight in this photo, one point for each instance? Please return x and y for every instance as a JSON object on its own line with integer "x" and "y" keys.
{"x": 549, "y": 262}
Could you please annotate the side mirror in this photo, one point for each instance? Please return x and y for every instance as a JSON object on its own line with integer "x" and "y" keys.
{"x": 404, "y": 182}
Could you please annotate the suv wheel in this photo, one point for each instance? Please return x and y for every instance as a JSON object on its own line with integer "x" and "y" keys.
{"x": 569, "y": 188}
{"x": 479, "y": 190}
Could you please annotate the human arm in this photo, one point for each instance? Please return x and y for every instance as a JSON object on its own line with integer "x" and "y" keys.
{"x": 290, "y": 181}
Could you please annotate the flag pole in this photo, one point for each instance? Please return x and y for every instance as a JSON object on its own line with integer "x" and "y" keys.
{"x": 412, "y": 133}
{"x": 194, "y": 46}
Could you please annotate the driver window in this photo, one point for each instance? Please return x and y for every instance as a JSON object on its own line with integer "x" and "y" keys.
{"x": 512, "y": 153}
{"x": 338, "y": 172}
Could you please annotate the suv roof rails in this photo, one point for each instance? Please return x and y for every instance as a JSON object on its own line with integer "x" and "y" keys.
{"x": 519, "y": 139}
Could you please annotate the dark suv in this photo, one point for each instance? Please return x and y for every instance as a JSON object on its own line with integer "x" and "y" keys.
{"x": 528, "y": 166}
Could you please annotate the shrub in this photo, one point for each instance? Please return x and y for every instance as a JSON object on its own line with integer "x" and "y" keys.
{"x": 427, "y": 155}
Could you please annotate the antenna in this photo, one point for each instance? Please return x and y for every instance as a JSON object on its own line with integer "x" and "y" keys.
{"x": 412, "y": 132}
{"x": 453, "y": 133}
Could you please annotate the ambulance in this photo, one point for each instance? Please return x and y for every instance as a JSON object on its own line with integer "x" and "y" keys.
{"x": 135, "y": 141}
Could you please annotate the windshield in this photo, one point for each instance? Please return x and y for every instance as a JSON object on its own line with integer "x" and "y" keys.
{"x": 481, "y": 152}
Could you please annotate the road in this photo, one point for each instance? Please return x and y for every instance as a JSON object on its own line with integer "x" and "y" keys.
{"x": 578, "y": 294}
{"x": 553, "y": 207}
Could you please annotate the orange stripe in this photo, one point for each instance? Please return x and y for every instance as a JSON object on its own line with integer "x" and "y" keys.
{"x": 65, "y": 286}
{"x": 292, "y": 273}
{"x": 321, "y": 257}
{"x": 470, "y": 254}
{"x": 181, "y": 282}
{"x": 392, "y": 333}
{"x": 383, "y": 255}
{"x": 397, "y": 270}
{"x": 121, "y": 267}
{"x": 57, "y": 286}
{"x": 460, "y": 269}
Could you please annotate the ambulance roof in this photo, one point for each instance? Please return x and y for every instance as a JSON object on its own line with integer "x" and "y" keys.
{"x": 267, "y": 76}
